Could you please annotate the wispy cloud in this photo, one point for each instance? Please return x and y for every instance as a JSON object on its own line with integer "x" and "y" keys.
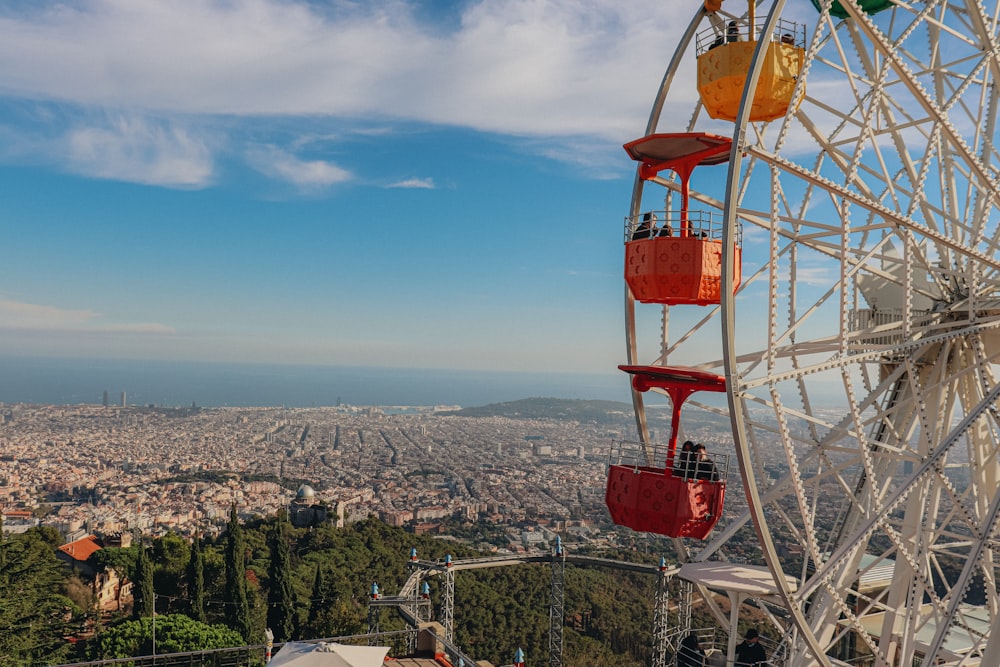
{"x": 417, "y": 183}
{"x": 131, "y": 148}
{"x": 304, "y": 174}
{"x": 18, "y": 315}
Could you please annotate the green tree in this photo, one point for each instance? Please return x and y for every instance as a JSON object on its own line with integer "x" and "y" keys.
{"x": 238, "y": 608}
{"x": 171, "y": 554}
{"x": 175, "y": 633}
{"x": 34, "y": 615}
{"x": 317, "y": 606}
{"x": 121, "y": 560}
{"x": 196, "y": 582}
{"x": 145, "y": 596}
{"x": 280, "y": 594}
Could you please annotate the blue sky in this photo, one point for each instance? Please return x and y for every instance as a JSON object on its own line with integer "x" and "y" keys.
{"x": 403, "y": 184}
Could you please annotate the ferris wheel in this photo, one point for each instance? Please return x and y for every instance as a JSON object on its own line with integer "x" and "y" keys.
{"x": 815, "y": 230}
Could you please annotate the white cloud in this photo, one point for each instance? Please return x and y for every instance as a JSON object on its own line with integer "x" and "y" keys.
{"x": 418, "y": 183}
{"x": 20, "y": 316}
{"x": 130, "y": 148}
{"x": 529, "y": 67}
{"x": 306, "y": 174}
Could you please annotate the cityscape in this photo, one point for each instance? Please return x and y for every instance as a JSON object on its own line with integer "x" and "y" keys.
{"x": 93, "y": 469}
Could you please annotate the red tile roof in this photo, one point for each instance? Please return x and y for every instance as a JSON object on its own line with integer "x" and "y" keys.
{"x": 81, "y": 549}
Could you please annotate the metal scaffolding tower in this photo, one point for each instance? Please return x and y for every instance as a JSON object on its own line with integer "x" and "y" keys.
{"x": 374, "y": 619}
{"x": 684, "y": 606}
{"x": 661, "y": 624}
{"x": 557, "y": 611}
{"x": 448, "y": 605}
{"x": 416, "y": 609}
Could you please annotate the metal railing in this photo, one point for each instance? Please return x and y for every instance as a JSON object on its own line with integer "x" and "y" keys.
{"x": 645, "y": 455}
{"x": 785, "y": 32}
{"x": 876, "y": 328}
{"x": 715, "y": 643}
{"x": 706, "y": 225}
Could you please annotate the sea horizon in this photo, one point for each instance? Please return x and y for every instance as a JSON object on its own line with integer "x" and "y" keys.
{"x": 70, "y": 381}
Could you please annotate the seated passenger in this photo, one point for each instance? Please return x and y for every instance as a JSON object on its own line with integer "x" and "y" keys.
{"x": 645, "y": 228}
{"x": 733, "y": 32}
{"x": 665, "y": 230}
{"x": 682, "y": 464}
{"x": 703, "y": 468}
{"x": 690, "y": 653}
{"x": 787, "y": 39}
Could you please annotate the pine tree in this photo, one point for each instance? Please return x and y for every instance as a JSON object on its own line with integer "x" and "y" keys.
{"x": 146, "y": 597}
{"x": 196, "y": 582}
{"x": 280, "y": 594}
{"x": 237, "y": 607}
{"x": 317, "y": 604}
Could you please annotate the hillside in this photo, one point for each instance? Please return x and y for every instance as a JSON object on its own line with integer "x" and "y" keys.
{"x": 609, "y": 614}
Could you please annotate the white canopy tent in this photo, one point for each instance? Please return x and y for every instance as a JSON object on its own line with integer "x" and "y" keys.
{"x": 328, "y": 654}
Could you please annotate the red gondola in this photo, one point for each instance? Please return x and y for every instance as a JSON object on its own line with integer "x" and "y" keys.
{"x": 665, "y": 500}
{"x": 682, "y": 264}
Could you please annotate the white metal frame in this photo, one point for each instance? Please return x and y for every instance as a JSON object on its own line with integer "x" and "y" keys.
{"x": 879, "y": 193}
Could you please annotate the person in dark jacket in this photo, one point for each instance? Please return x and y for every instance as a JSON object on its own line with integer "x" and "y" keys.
{"x": 690, "y": 653}
{"x": 682, "y": 465}
{"x": 702, "y": 467}
{"x": 646, "y": 227}
{"x": 733, "y": 32}
{"x": 750, "y": 653}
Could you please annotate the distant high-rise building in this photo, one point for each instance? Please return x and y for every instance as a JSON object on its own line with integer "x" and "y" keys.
{"x": 105, "y": 398}
{"x": 123, "y": 399}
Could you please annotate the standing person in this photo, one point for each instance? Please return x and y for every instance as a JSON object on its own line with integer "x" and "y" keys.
{"x": 750, "y": 653}
{"x": 704, "y": 468}
{"x": 690, "y": 654}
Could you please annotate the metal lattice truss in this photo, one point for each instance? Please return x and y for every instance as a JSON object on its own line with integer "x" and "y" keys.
{"x": 557, "y": 610}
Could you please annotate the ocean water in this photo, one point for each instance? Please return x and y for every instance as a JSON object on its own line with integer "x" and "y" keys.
{"x": 173, "y": 384}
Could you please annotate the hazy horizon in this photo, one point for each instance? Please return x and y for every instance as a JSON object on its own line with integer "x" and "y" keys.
{"x": 67, "y": 381}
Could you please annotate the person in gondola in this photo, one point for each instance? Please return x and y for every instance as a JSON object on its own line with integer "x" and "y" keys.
{"x": 645, "y": 228}
{"x": 690, "y": 653}
{"x": 682, "y": 465}
{"x": 703, "y": 467}
{"x": 666, "y": 229}
{"x": 750, "y": 653}
{"x": 733, "y": 32}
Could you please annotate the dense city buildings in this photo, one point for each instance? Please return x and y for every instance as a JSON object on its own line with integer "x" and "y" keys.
{"x": 94, "y": 470}
{"x": 101, "y": 470}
